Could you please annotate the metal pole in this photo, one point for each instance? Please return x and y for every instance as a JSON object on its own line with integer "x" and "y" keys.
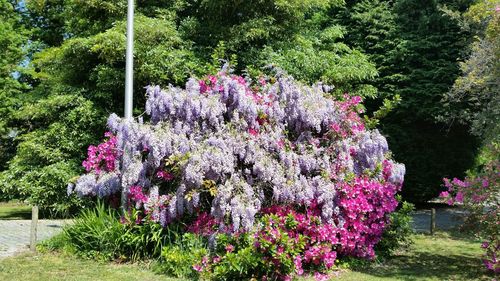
{"x": 129, "y": 72}
{"x": 129, "y": 82}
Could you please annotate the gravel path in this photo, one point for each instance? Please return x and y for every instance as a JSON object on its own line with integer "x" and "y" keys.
{"x": 15, "y": 234}
{"x": 446, "y": 219}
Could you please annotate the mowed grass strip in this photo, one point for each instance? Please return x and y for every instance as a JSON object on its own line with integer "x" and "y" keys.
{"x": 61, "y": 267}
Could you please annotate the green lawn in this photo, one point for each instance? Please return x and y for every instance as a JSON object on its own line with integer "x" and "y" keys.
{"x": 14, "y": 211}
{"x": 442, "y": 257}
{"x": 59, "y": 267}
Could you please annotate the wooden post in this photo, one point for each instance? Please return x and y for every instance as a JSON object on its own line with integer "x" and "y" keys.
{"x": 34, "y": 224}
{"x": 433, "y": 221}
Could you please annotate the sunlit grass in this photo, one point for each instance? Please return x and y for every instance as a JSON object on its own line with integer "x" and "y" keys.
{"x": 60, "y": 267}
{"x": 444, "y": 256}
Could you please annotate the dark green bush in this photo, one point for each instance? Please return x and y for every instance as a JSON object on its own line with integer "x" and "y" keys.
{"x": 398, "y": 233}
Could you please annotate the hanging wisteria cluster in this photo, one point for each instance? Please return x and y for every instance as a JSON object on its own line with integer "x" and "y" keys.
{"x": 232, "y": 147}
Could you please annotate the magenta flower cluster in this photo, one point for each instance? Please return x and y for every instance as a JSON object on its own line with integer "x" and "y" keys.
{"x": 364, "y": 204}
{"x": 302, "y": 237}
{"x": 227, "y": 148}
{"x": 102, "y": 157}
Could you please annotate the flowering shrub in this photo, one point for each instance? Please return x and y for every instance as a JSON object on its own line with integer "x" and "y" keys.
{"x": 480, "y": 195}
{"x": 296, "y": 241}
{"x": 397, "y": 235}
{"x": 271, "y": 157}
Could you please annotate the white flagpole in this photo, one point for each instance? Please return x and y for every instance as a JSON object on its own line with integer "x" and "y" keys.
{"x": 129, "y": 82}
{"x": 129, "y": 72}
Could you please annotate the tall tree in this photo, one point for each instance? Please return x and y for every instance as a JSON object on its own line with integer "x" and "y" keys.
{"x": 79, "y": 80}
{"x": 416, "y": 47}
{"x": 474, "y": 99}
{"x": 12, "y": 38}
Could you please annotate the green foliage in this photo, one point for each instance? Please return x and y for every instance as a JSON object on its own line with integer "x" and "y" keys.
{"x": 12, "y": 37}
{"x": 387, "y": 106}
{"x": 475, "y": 96}
{"x": 76, "y": 69}
{"x": 178, "y": 256}
{"x": 432, "y": 42}
{"x": 75, "y": 85}
{"x": 47, "y": 158}
{"x": 46, "y": 21}
{"x": 374, "y": 30}
{"x": 100, "y": 233}
{"x": 398, "y": 234}
{"x": 242, "y": 262}
{"x": 430, "y": 152}
{"x": 415, "y": 46}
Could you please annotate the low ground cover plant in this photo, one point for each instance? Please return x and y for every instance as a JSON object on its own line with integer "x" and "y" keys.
{"x": 277, "y": 178}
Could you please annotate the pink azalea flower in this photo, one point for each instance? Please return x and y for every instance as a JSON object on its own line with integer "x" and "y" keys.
{"x": 444, "y": 194}
{"x": 253, "y": 132}
{"x": 165, "y": 175}
{"x": 229, "y": 248}
{"x": 320, "y": 276}
{"x": 197, "y": 267}
{"x": 485, "y": 183}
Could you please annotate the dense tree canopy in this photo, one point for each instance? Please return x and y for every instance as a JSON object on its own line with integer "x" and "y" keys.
{"x": 416, "y": 46}
{"x": 75, "y": 72}
{"x": 12, "y": 38}
{"x": 475, "y": 96}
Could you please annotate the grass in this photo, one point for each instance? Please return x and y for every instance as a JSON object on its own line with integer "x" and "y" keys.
{"x": 444, "y": 256}
{"x": 60, "y": 267}
{"x": 14, "y": 211}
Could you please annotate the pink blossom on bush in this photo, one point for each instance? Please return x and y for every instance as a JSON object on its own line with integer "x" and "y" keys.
{"x": 321, "y": 277}
{"x": 135, "y": 193}
{"x": 283, "y": 162}
{"x": 365, "y": 205}
{"x": 102, "y": 157}
{"x": 478, "y": 194}
{"x": 229, "y": 248}
{"x": 203, "y": 225}
{"x": 165, "y": 175}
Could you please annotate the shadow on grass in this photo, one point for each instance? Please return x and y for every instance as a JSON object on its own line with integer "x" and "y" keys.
{"x": 23, "y": 213}
{"x": 426, "y": 265}
{"x": 16, "y": 215}
{"x": 445, "y": 256}
{"x": 15, "y": 211}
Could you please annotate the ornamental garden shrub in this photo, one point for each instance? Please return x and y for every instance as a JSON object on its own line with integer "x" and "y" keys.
{"x": 479, "y": 194}
{"x": 398, "y": 234}
{"x": 277, "y": 177}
